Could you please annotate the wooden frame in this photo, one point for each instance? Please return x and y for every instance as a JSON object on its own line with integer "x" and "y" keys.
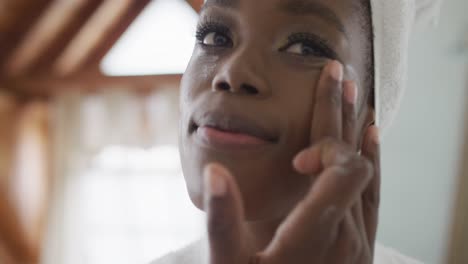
{"x": 16, "y": 19}
{"x": 102, "y": 30}
{"x": 61, "y": 37}
{"x": 47, "y": 86}
{"x": 51, "y": 35}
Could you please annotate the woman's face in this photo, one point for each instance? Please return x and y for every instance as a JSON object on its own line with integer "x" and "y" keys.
{"x": 254, "y": 70}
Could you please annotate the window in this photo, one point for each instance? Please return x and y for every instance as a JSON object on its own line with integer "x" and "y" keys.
{"x": 159, "y": 41}
{"x": 134, "y": 206}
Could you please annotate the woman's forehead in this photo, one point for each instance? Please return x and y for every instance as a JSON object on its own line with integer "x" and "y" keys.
{"x": 339, "y": 13}
{"x": 299, "y": 6}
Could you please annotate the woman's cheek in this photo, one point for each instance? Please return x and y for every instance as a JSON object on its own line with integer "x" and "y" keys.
{"x": 297, "y": 96}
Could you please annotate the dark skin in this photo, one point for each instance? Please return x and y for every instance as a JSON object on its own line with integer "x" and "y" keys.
{"x": 259, "y": 61}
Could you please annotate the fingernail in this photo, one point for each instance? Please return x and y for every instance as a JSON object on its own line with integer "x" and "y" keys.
{"x": 351, "y": 92}
{"x": 336, "y": 71}
{"x": 307, "y": 161}
{"x": 375, "y": 137}
{"x": 215, "y": 182}
{"x": 299, "y": 161}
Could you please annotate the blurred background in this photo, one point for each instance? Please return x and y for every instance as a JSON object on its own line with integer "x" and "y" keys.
{"x": 89, "y": 166}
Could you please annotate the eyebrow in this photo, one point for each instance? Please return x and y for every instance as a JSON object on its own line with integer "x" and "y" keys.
{"x": 292, "y": 7}
{"x": 308, "y": 7}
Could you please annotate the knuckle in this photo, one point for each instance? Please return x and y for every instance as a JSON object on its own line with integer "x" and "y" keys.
{"x": 329, "y": 142}
{"x": 331, "y": 94}
{"x": 329, "y": 215}
{"x": 333, "y": 145}
{"x": 353, "y": 247}
{"x": 350, "y": 120}
{"x": 334, "y": 97}
{"x": 332, "y": 236}
{"x": 336, "y": 152}
{"x": 361, "y": 166}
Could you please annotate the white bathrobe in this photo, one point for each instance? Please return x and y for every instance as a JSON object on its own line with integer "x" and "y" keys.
{"x": 196, "y": 254}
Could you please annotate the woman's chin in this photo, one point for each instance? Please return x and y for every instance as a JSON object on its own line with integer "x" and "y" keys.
{"x": 259, "y": 204}
{"x": 269, "y": 189}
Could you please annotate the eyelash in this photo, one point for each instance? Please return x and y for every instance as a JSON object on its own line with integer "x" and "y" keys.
{"x": 320, "y": 46}
{"x": 210, "y": 26}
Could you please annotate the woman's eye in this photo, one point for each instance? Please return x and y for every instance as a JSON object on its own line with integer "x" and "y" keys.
{"x": 302, "y": 49}
{"x": 216, "y": 39}
{"x": 306, "y": 44}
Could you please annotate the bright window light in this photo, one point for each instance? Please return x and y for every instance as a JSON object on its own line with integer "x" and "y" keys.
{"x": 160, "y": 41}
{"x": 132, "y": 206}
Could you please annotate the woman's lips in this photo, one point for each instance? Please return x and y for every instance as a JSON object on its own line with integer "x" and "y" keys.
{"x": 214, "y": 136}
{"x": 225, "y": 129}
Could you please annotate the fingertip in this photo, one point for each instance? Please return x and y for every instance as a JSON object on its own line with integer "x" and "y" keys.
{"x": 374, "y": 134}
{"x": 215, "y": 182}
{"x": 298, "y": 161}
{"x": 336, "y": 70}
{"x": 223, "y": 206}
{"x": 371, "y": 145}
{"x": 307, "y": 161}
{"x": 350, "y": 92}
{"x": 372, "y": 137}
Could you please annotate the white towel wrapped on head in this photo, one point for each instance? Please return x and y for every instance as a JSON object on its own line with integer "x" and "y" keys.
{"x": 392, "y": 23}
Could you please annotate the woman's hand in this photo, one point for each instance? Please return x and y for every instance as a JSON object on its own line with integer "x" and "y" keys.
{"x": 336, "y": 221}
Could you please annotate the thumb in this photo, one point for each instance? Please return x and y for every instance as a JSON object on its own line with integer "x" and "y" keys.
{"x": 225, "y": 214}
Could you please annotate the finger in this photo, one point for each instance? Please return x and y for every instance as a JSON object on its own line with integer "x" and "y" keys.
{"x": 314, "y": 220}
{"x": 350, "y": 94}
{"x": 371, "y": 195}
{"x": 339, "y": 187}
{"x": 223, "y": 206}
{"x": 326, "y": 121}
{"x": 348, "y": 242}
{"x": 366, "y": 248}
{"x": 357, "y": 213}
{"x": 324, "y": 154}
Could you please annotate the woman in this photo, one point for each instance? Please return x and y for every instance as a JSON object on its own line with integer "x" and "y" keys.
{"x": 277, "y": 140}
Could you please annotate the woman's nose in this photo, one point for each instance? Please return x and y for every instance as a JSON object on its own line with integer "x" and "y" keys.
{"x": 239, "y": 75}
